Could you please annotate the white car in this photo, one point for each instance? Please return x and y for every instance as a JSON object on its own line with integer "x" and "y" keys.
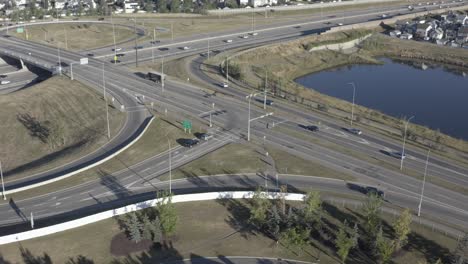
{"x": 224, "y": 85}
{"x": 254, "y": 33}
{"x": 186, "y": 48}
{"x": 340, "y": 24}
{"x": 4, "y": 82}
{"x": 355, "y": 131}
{"x": 228, "y": 40}
{"x": 245, "y": 36}
{"x": 117, "y": 49}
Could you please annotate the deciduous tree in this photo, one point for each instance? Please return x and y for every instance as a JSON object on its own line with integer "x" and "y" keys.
{"x": 402, "y": 228}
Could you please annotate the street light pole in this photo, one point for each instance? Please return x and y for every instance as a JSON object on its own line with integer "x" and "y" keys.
{"x": 3, "y": 184}
{"x": 352, "y": 107}
{"x": 404, "y": 142}
{"x": 60, "y": 62}
{"x": 170, "y": 167}
{"x": 105, "y": 100}
{"x": 266, "y": 80}
{"x": 227, "y": 71}
{"x": 115, "y": 47}
{"x": 208, "y": 47}
{"x": 424, "y": 183}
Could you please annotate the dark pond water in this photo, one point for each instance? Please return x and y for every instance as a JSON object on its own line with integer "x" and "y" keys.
{"x": 436, "y": 96}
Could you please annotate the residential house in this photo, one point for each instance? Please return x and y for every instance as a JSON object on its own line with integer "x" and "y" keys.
{"x": 131, "y": 6}
{"x": 437, "y": 34}
{"x": 422, "y": 30}
{"x": 462, "y": 35}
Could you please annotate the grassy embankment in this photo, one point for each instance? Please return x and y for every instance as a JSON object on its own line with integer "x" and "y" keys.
{"x": 185, "y": 25}
{"x": 218, "y": 228}
{"x": 287, "y": 61}
{"x": 75, "y": 36}
{"x": 50, "y": 124}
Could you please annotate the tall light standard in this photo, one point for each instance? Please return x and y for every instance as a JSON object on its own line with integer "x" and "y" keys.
{"x": 115, "y": 47}
{"x": 60, "y": 62}
{"x": 227, "y": 71}
{"x": 105, "y": 100}
{"x": 162, "y": 74}
{"x": 352, "y": 107}
{"x": 424, "y": 183}
{"x": 249, "y": 97}
{"x": 265, "y": 91}
{"x": 170, "y": 166}
{"x": 404, "y": 142}
{"x": 208, "y": 47}
{"x": 3, "y": 184}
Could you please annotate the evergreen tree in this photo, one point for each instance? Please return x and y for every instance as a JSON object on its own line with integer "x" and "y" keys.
{"x": 175, "y": 6}
{"x": 259, "y": 208}
{"x": 147, "y": 227}
{"x": 294, "y": 236}
{"x": 161, "y": 6}
{"x": 134, "y": 228}
{"x": 371, "y": 212}
{"x": 312, "y": 208}
{"x": 385, "y": 247}
{"x": 187, "y": 6}
{"x": 344, "y": 241}
{"x": 167, "y": 213}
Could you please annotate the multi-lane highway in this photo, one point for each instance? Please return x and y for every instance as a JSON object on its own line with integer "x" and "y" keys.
{"x": 141, "y": 180}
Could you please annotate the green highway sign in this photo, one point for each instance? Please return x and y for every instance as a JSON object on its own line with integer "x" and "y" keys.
{"x": 19, "y": 30}
{"x": 187, "y": 125}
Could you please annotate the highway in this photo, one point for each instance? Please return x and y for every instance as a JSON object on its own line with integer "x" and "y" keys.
{"x": 140, "y": 181}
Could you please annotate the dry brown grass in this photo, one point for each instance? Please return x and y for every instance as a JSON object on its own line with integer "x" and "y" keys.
{"x": 76, "y": 36}
{"x": 65, "y": 119}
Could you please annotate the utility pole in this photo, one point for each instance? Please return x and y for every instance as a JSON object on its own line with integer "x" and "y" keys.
{"x": 3, "y": 184}
{"x": 60, "y": 62}
{"x": 162, "y": 74}
{"x": 227, "y": 71}
{"x": 253, "y": 20}
{"x": 404, "y": 141}
{"x": 66, "y": 39}
{"x": 32, "y": 221}
{"x": 105, "y": 100}
{"x": 115, "y": 47}
{"x": 170, "y": 167}
{"x": 264, "y": 99}
{"x": 424, "y": 183}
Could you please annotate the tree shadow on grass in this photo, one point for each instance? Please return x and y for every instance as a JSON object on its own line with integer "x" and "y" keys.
{"x": 4, "y": 261}
{"x": 29, "y": 258}
{"x": 430, "y": 249}
{"x": 239, "y": 214}
{"x": 80, "y": 260}
{"x": 160, "y": 252}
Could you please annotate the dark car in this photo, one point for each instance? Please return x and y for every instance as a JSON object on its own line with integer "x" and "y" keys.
{"x": 163, "y": 49}
{"x": 90, "y": 55}
{"x": 269, "y": 102}
{"x": 188, "y": 143}
{"x": 138, "y": 47}
{"x": 155, "y": 41}
{"x": 312, "y": 128}
{"x": 120, "y": 55}
{"x": 372, "y": 190}
{"x": 115, "y": 61}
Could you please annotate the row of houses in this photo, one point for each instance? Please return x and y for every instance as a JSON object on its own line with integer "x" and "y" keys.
{"x": 118, "y": 6}
{"x": 447, "y": 29}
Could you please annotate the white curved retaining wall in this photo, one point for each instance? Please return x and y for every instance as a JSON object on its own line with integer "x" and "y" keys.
{"x": 82, "y": 169}
{"x": 135, "y": 207}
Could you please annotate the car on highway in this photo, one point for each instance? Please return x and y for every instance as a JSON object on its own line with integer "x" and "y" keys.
{"x": 120, "y": 55}
{"x": 115, "y": 61}
{"x": 268, "y": 102}
{"x": 138, "y": 47}
{"x": 163, "y": 49}
{"x": 206, "y": 136}
{"x": 3, "y": 76}
{"x": 117, "y": 49}
{"x": 355, "y": 131}
{"x": 4, "y": 82}
{"x": 188, "y": 142}
{"x": 340, "y": 24}
{"x": 312, "y": 128}
{"x": 383, "y": 15}
{"x": 186, "y": 48}
{"x": 155, "y": 42}
{"x": 90, "y": 54}
{"x": 244, "y": 36}
{"x": 372, "y": 190}
{"x": 254, "y": 33}
{"x": 224, "y": 85}
{"x": 228, "y": 40}
{"x": 398, "y": 155}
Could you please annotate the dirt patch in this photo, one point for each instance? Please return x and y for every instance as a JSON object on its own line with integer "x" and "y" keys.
{"x": 122, "y": 246}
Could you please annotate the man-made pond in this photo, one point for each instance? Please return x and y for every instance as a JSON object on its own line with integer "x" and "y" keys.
{"x": 436, "y": 97}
